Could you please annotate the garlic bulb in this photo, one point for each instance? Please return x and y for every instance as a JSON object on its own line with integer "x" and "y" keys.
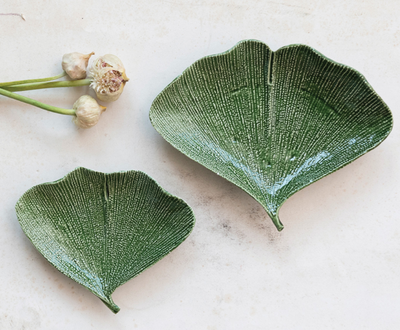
{"x": 87, "y": 111}
{"x": 108, "y": 77}
{"x": 75, "y": 64}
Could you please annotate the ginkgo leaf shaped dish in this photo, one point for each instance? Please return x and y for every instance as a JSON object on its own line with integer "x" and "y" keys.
{"x": 100, "y": 229}
{"x": 271, "y": 122}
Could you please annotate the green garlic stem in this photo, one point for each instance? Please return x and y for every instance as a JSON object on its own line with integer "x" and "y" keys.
{"x": 53, "y": 84}
{"x": 19, "y": 82}
{"x": 38, "y": 104}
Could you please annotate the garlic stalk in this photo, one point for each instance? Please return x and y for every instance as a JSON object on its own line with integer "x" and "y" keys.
{"x": 52, "y": 84}
{"x": 29, "y": 81}
{"x": 107, "y": 77}
{"x": 86, "y": 110}
{"x": 38, "y": 104}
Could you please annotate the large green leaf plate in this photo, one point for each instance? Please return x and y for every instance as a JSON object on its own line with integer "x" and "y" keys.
{"x": 271, "y": 122}
{"x": 100, "y": 229}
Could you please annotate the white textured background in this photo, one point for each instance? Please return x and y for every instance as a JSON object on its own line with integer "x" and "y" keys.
{"x": 336, "y": 265}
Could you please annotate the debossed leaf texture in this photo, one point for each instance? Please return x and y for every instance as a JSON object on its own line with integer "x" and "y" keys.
{"x": 100, "y": 229}
{"x": 271, "y": 122}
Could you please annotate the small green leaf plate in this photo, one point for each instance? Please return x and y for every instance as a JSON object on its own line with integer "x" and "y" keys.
{"x": 100, "y": 229}
{"x": 271, "y": 122}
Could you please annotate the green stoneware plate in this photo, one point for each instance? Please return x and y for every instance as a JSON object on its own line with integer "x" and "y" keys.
{"x": 271, "y": 122}
{"x": 100, "y": 229}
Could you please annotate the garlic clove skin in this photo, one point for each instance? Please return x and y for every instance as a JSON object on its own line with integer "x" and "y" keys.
{"x": 108, "y": 77}
{"x": 75, "y": 64}
{"x": 87, "y": 111}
